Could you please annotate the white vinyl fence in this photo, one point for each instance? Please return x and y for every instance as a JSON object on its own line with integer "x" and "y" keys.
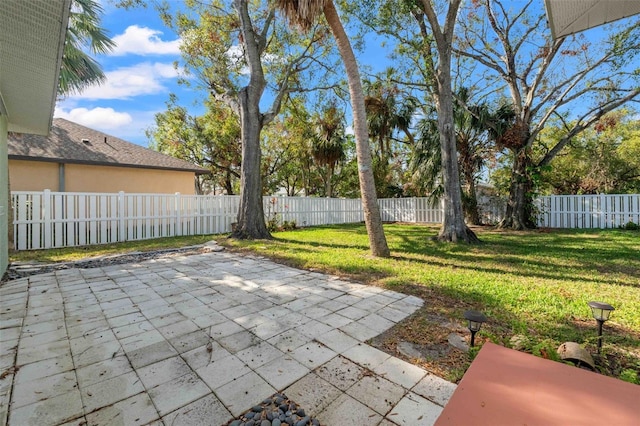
{"x": 588, "y": 211}
{"x": 65, "y": 219}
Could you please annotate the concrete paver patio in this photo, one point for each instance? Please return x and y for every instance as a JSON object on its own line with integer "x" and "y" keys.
{"x": 200, "y": 339}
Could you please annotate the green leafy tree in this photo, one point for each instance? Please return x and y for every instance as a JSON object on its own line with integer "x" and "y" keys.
{"x": 424, "y": 34}
{"x": 569, "y": 78}
{"x": 304, "y": 13}
{"x": 602, "y": 159}
{"x": 211, "y": 140}
{"x": 474, "y": 128}
{"x": 390, "y": 112}
{"x": 327, "y": 146}
{"x": 79, "y": 70}
{"x": 239, "y": 51}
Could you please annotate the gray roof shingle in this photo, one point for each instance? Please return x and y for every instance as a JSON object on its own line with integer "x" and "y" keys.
{"x": 70, "y": 142}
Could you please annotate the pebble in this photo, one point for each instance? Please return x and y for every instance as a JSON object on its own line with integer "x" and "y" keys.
{"x": 275, "y": 411}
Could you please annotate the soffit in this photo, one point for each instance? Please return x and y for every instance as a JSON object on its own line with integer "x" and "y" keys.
{"x": 572, "y": 16}
{"x": 32, "y": 37}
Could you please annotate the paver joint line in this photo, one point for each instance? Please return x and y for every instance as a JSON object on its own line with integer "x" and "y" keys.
{"x": 206, "y": 336}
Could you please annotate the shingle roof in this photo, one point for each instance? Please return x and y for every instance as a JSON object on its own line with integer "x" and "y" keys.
{"x": 70, "y": 142}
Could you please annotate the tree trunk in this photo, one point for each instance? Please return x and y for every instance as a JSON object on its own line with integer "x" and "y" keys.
{"x": 251, "y": 224}
{"x": 228, "y": 184}
{"x": 453, "y": 227}
{"x": 377, "y": 239}
{"x": 470, "y": 203}
{"x": 519, "y": 205}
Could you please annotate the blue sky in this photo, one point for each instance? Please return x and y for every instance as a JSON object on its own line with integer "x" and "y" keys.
{"x": 140, "y": 76}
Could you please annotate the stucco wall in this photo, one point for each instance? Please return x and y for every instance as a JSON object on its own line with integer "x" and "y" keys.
{"x": 33, "y": 175}
{"x": 84, "y": 178}
{"x": 4, "y": 197}
{"x": 38, "y": 175}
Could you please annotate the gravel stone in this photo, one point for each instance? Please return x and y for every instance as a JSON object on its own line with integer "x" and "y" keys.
{"x": 21, "y": 270}
{"x": 275, "y": 411}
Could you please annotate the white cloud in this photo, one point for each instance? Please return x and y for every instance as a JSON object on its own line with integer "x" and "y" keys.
{"x": 124, "y": 83}
{"x": 144, "y": 41}
{"x": 97, "y": 118}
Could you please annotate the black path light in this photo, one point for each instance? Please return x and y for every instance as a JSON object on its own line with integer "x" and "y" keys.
{"x": 475, "y": 320}
{"x": 601, "y": 312}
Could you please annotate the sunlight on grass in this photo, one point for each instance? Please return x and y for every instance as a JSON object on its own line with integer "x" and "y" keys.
{"x": 527, "y": 282}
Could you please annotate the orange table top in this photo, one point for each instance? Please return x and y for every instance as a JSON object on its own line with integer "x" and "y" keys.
{"x": 507, "y": 387}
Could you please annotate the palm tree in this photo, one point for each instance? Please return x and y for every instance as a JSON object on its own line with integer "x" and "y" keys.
{"x": 79, "y": 70}
{"x": 303, "y": 13}
{"x": 328, "y": 143}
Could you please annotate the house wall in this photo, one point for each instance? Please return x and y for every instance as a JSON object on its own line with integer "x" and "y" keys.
{"x": 4, "y": 197}
{"x": 38, "y": 175}
{"x": 33, "y": 175}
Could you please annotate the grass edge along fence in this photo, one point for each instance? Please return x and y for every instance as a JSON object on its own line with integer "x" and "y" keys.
{"x": 46, "y": 219}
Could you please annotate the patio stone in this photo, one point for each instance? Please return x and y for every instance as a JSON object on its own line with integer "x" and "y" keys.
{"x": 239, "y": 341}
{"x": 414, "y": 409}
{"x": 359, "y": 331}
{"x": 335, "y": 320}
{"x": 25, "y": 393}
{"x": 313, "y": 393}
{"x": 206, "y": 410}
{"x": 42, "y": 352}
{"x": 150, "y": 354}
{"x": 104, "y": 370}
{"x": 435, "y": 389}
{"x": 366, "y": 356}
{"x": 377, "y": 393}
{"x": 313, "y": 354}
{"x": 137, "y": 341}
{"x": 282, "y": 371}
{"x": 347, "y": 411}
{"x": 400, "y": 372}
{"x": 133, "y": 329}
{"x": 204, "y": 355}
{"x": 289, "y": 340}
{"x": 257, "y": 355}
{"x": 337, "y": 340}
{"x": 44, "y": 368}
{"x": 224, "y": 329}
{"x": 178, "y": 329}
{"x": 136, "y": 410}
{"x": 243, "y": 392}
{"x": 314, "y": 328}
{"x": 222, "y": 371}
{"x": 52, "y": 411}
{"x": 376, "y": 323}
{"x": 112, "y": 390}
{"x": 341, "y": 372}
{"x": 163, "y": 371}
{"x": 178, "y": 392}
{"x": 189, "y": 341}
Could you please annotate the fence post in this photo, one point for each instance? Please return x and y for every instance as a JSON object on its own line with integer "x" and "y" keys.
{"x": 601, "y": 215}
{"x": 122, "y": 225}
{"x": 46, "y": 213}
{"x": 178, "y": 205}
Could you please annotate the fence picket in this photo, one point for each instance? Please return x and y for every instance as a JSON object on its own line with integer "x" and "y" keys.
{"x": 55, "y": 219}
